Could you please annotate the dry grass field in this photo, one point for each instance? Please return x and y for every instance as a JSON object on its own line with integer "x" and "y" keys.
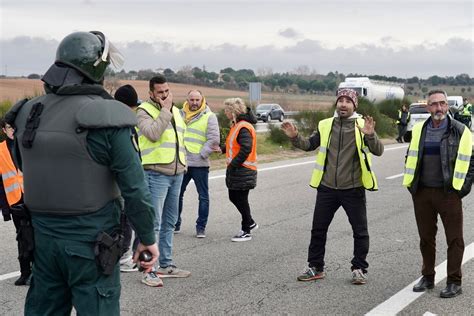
{"x": 15, "y": 89}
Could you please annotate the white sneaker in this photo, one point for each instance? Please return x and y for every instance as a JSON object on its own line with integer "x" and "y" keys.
{"x": 128, "y": 266}
{"x": 359, "y": 277}
{"x": 152, "y": 279}
{"x": 242, "y": 236}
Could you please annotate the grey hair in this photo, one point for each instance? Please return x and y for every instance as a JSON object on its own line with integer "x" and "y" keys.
{"x": 235, "y": 106}
{"x": 436, "y": 91}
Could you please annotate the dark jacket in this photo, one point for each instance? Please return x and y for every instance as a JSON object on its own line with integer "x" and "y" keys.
{"x": 239, "y": 177}
{"x": 342, "y": 169}
{"x": 448, "y": 152}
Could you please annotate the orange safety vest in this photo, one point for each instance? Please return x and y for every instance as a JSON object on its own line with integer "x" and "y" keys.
{"x": 12, "y": 178}
{"x": 233, "y": 147}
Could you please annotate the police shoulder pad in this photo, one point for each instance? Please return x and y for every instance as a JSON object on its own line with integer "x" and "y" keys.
{"x": 10, "y": 116}
{"x": 102, "y": 113}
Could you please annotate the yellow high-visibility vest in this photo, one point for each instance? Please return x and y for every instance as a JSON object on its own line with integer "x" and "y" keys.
{"x": 400, "y": 117}
{"x": 461, "y": 165}
{"x": 195, "y": 135}
{"x": 163, "y": 151}
{"x": 369, "y": 181}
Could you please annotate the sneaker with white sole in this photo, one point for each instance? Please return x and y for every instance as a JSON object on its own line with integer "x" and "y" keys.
{"x": 312, "y": 274}
{"x": 359, "y": 277}
{"x": 172, "y": 271}
{"x": 128, "y": 266}
{"x": 254, "y": 226}
{"x": 152, "y": 279}
{"x": 242, "y": 236}
{"x": 200, "y": 233}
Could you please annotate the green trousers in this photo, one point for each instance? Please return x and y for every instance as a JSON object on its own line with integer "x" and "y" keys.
{"x": 65, "y": 274}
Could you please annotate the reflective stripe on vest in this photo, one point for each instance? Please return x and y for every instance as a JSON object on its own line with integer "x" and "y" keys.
{"x": 11, "y": 177}
{"x": 399, "y": 120}
{"x": 195, "y": 135}
{"x": 461, "y": 165}
{"x": 163, "y": 151}
{"x": 233, "y": 147}
{"x": 368, "y": 179}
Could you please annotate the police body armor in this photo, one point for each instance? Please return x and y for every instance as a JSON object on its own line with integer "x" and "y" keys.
{"x": 60, "y": 176}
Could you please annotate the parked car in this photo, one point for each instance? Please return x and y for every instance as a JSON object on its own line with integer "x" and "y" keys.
{"x": 455, "y": 104}
{"x": 418, "y": 113}
{"x": 270, "y": 111}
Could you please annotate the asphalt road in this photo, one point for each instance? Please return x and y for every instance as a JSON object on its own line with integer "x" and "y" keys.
{"x": 259, "y": 276}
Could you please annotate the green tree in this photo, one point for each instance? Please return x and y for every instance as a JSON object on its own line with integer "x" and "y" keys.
{"x": 317, "y": 85}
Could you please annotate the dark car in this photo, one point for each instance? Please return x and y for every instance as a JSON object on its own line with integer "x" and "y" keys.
{"x": 270, "y": 111}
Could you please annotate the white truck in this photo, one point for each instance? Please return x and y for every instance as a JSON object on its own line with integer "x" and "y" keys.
{"x": 374, "y": 90}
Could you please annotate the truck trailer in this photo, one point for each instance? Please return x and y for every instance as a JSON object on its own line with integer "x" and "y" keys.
{"x": 374, "y": 90}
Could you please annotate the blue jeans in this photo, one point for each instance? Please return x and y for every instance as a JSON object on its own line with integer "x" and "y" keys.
{"x": 164, "y": 194}
{"x": 200, "y": 175}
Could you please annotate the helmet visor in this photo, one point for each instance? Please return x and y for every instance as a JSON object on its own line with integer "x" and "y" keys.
{"x": 110, "y": 52}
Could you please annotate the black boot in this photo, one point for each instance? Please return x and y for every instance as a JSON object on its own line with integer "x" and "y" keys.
{"x": 423, "y": 285}
{"x": 451, "y": 290}
{"x": 24, "y": 279}
{"x": 25, "y": 268}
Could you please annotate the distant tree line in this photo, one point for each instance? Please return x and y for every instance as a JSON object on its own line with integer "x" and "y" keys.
{"x": 301, "y": 80}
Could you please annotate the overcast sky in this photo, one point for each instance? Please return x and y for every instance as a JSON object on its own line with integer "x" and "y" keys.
{"x": 387, "y": 37}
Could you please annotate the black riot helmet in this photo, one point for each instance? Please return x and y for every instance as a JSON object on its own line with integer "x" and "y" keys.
{"x": 89, "y": 53}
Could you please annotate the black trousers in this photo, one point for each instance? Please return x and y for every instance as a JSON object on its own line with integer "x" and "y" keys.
{"x": 25, "y": 263}
{"x": 429, "y": 202}
{"x": 354, "y": 204}
{"x": 240, "y": 198}
{"x": 402, "y": 129}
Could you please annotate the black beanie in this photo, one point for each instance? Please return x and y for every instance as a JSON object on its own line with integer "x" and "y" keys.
{"x": 127, "y": 94}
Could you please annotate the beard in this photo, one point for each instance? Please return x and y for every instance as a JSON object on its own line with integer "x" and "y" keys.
{"x": 439, "y": 116}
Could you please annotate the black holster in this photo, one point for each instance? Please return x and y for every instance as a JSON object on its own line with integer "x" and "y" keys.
{"x": 107, "y": 251}
{"x": 25, "y": 234}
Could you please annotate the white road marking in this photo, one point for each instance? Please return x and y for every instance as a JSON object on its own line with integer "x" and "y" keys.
{"x": 301, "y": 163}
{"x": 429, "y": 314}
{"x": 398, "y": 147}
{"x": 14, "y": 274}
{"x": 406, "y": 296}
{"x": 9, "y": 275}
{"x": 394, "y": 176}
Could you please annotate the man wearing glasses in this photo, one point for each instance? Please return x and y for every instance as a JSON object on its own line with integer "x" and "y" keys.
{"x": 439, "y": 169}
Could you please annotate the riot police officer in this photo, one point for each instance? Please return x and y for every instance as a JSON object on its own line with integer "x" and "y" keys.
{"x": 77, "y": 154}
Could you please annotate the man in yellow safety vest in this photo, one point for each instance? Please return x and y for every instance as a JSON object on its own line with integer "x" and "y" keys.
{"x": 341, "y": 174}
{"x": 439, "y": 169}
{"x": 161, "y": 141}
{"x": 200, "y": 139}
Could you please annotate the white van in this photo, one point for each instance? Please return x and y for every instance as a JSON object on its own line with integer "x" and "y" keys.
{"x": 418, "y": 113}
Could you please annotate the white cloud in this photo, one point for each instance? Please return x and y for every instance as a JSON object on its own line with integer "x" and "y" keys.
{"x": 25, "y": 55}
{"x": 289, "y": 33}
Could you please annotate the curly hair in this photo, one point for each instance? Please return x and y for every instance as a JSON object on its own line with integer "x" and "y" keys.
{"x": 235, "y": 106}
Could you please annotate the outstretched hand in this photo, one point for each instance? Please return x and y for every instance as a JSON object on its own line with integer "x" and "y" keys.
{"x": 289, "y": 129}
{"x": 369, "y": 126}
